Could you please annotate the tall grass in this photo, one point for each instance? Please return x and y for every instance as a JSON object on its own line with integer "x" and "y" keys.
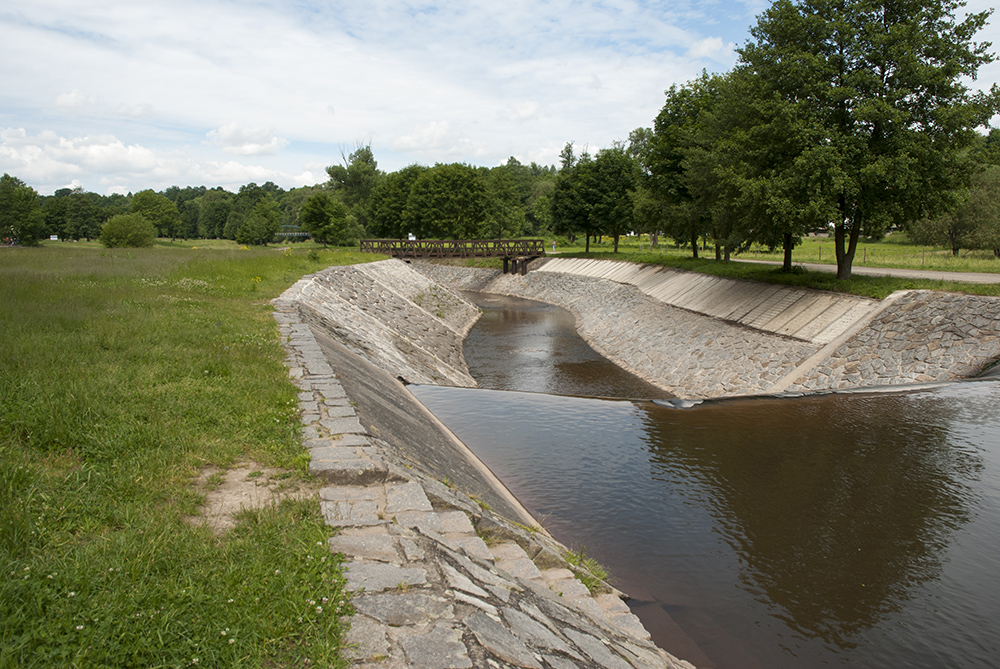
{"x": 123, "y": 373}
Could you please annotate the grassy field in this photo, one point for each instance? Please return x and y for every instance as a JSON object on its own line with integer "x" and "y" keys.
{"x": 123, "y": 375}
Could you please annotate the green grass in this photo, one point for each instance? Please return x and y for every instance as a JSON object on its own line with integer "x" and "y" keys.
{"x": 123, "y": 373}
{"x": 588, "y": 571}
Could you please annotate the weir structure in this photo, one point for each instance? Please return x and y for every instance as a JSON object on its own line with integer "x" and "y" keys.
{"x": 516, "y": 253}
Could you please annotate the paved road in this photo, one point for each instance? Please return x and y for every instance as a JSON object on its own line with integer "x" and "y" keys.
{"x": 933, "y": 275}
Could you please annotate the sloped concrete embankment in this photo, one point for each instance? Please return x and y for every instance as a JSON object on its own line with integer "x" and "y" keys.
{"x": 447, "y": 568}
{"x": 688, "y": 333}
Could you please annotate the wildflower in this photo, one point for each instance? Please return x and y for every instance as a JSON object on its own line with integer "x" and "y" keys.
{"x": 79, "y": 627}
{"x": 319, "y": 609}
{"x": 72, "y": 594}
{"x": 232, "y": 641}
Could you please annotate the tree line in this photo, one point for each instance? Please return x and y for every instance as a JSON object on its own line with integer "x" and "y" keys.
{"x": 357, "y": 200}
{"x": 846, "y": 116}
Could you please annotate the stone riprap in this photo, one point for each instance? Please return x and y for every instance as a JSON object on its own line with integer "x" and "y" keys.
{"x": 440, "y": 579}
{"x": 918, "y": 337}
{"x": 910, "y": 337}
{"x": 685, "y": 353}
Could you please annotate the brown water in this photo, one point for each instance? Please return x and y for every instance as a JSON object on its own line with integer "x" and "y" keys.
{"x": 855, "y": 530}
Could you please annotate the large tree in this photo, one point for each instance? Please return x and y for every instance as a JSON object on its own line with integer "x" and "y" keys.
{"x": 325, "y": 217}
{"x": 355, "y": 180}
{"x": 876, "y": 99}
{"x": 447, "y": 201}
{"x": 158, "y": 210}
{"x": 388, "y": 202}
{"x": 21, "y": 216}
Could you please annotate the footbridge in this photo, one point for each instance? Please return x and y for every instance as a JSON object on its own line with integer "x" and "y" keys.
{"x": 516, "y": 253}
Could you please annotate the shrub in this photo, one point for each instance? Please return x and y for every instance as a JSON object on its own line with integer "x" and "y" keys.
{"x": 131, "y": 230}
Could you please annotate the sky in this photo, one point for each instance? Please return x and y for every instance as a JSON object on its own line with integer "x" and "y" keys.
{"x": 117, "y": 97}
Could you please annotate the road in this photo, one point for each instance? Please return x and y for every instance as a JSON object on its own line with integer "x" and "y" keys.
{"x": 933, "y": 275}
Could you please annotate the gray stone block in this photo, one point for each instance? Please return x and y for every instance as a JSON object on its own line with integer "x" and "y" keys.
{"x": 403, "y": 608}
{"x": 500, "y": 642}
{"x": 378, "y": 577}
{"x": 349, "y": 472}
{"x": 343, "y": 425}
{"x": 441, "y": 648}
{"x": 403, "y": 497}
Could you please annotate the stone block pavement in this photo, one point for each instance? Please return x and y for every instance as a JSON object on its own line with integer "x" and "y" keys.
{"x": 438, "y": 581}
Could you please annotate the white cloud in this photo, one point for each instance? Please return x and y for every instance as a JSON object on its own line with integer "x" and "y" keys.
{"x": 75, "y": 100}
{"x": 48, "y": 161}
{"x": 242, "y": 141}
{"x": 142, "y": 110}
{"x": 145, "y": 95}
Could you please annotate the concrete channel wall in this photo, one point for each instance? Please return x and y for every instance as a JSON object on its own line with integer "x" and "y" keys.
{"x": 448, "y": 570}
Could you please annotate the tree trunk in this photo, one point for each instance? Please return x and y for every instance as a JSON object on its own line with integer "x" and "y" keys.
{"x": 588, "y": 242}
{"x": 718, "y": 252}
{"x": 616, "y": 242}
{"x": 845, "y": 256}
{"x": 694, "y": 243}
{"x": 728, "y": 249}
{"x": 786, "y": 265}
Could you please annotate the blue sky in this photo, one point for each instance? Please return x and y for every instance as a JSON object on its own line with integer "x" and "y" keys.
{"x": 120, "y": 96}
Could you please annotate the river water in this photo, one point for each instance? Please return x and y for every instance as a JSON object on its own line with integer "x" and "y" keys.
{"x": 856, "y": 530}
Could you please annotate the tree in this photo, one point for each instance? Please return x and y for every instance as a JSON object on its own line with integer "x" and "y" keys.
{"x": 127, "y": 230}
{"x": 594, "y": 195}
{"x": 213, "y": 210}
{"x": 355, "y": 180}
{"x": 615, "y": 177}
{"x": 447, "y": 201}
{"x": 21, "y": 216}
{"x": 159, "y": 211}
{"x": 974, "y": 223}
{"x": 873, "y": 97}
{"x": 505, "y": 216}
{"x": 326, "y": 218}
{"x": 261, "y": 224}
{"x": 388, "y": 202}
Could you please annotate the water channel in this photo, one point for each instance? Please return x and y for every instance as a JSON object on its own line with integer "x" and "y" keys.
{"x": 856, "y": 530}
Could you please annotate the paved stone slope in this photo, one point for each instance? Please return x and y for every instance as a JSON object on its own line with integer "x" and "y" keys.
{"x": 439, "y": 581}
{"x": 688, "y": 354}
{"x": 918, "y": 337}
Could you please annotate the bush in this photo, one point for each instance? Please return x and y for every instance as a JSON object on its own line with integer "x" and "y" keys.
{"x": 127, "y": 230}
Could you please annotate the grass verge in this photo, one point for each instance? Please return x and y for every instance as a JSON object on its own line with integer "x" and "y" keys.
{"x": 123, "y": 374}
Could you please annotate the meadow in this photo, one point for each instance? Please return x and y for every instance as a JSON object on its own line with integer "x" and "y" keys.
{"x": 124, "y": 375}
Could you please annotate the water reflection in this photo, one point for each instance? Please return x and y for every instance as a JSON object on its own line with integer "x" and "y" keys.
{"x": 837, "y": 507}
{"x": 860, "y": 530}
